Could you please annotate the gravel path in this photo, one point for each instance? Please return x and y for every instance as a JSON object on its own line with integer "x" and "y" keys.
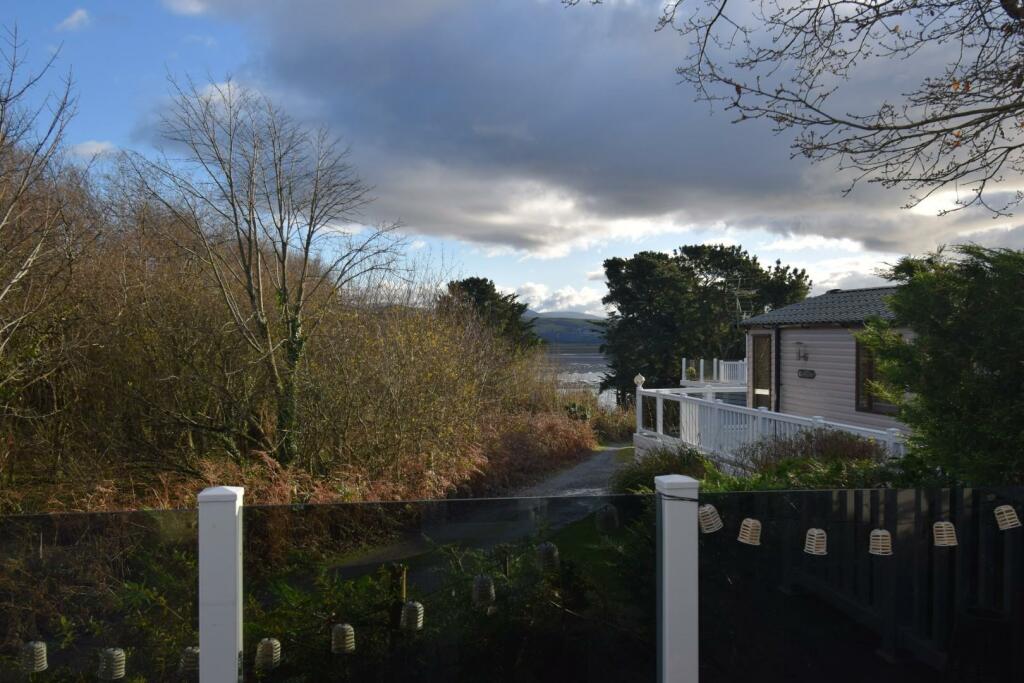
{"x": 589, "y": 478}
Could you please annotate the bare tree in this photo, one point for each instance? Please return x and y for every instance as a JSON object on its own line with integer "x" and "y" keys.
{"x": 32, "y": 213}
{"x": 273, "y": 206}
{"x": 795, "y": 63}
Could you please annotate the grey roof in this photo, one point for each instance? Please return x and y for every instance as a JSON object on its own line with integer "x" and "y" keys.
{"x": 834, "y": 307}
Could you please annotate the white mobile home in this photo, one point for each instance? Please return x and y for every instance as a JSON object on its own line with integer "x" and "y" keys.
{"x": 805, "y": 360}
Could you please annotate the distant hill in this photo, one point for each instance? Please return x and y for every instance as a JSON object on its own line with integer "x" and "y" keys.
{"x": 572, "y": 315}
{"x": 568, "y": 330}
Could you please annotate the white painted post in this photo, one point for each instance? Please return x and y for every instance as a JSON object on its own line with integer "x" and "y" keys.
{"x": 682, "y": 377}
{"x": 761, "y": 422}
{"x": 717, "y": 436}
{"x": 639, "y": 410}
{"x": 678, "y": 641}
{"x": 709, "y": 392}
{"x": 701, "y": 369}
{"x": 220, "y": 583}
{"x": 714, "y": 370}
{"x": 660, "y": 415}
{"x": 894, "y": 438}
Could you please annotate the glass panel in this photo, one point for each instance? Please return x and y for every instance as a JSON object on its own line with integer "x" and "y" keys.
{"x": 81, "y": 583}
{"x": 762, "y": 371}
{"x": 650, "y": 408}
{"x": 774, "y": 612}
{"x": 533, "y": 589}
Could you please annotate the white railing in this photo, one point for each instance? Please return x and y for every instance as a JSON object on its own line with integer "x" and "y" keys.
{"x": 715, "y": 370}
{"x": 721, "y": 429}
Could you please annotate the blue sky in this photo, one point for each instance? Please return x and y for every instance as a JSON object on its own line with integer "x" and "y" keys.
{"x": 523, "y": 141}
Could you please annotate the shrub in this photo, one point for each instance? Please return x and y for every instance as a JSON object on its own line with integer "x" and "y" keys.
{"x": 614, "y": 425}
{"x": 638, "y": 477}
{"x": 523, "y": 448}
{"x": 822, "y": 445}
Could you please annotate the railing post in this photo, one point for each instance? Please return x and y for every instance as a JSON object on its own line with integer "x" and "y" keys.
{"x": 220, "y": 584}
{"x": 678, "y": 641}
{"x": 682, "y": 377}
{"x": 894, "y": 438}
{"x": 715, "y": 373}
{"x": 701, "y": 369}
{"x": 639, "y": 410}
{"x": 659, "y": 414}
{"x": 761, "y": 422}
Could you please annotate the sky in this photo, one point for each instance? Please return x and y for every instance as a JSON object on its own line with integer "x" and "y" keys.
{"x": 518, "y": 140}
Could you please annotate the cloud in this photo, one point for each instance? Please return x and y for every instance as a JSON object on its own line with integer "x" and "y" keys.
{"x": 76, "y": 20}
{"x": 526, "y": 128}
{"x": 187, "y": 7}
{"x": 92, "y": 148}
{"x": 542, "y": 298}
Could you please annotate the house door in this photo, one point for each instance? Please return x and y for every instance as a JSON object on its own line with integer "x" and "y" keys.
{"x": 762, "y": 371}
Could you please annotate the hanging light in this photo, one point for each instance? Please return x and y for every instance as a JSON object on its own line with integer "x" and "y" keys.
{"x": 483, "y": 591}
{"x": 112, "y": 664}
{"x": 33, "y": 657}
{"x": 816, "y": 542}
{"x": 268, "y": 654}
{"x": 709, "y": 519}
{"x": 944, "y": 534}
{"x": 412, "y": 616}
{"x": 547, "y": 556}
{"x": 750, "y": 532}
{"x": 880, "y": 543}
{"x": 343, "y": 639}
{"x": 1006, "y": 517}
{"x": 188, "y": 665}
{"x": 607, "y": 519}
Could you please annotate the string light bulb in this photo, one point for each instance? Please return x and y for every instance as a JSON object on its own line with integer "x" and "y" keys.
{"x": 483, "y": 591}
{"x": 944, "y": 534}
{"x": 816, "y": 542}
{"x": 188, "y": 665}
{"x": 412, "y": 616}
{"x": 750, "y": 532}
{"x": 709, "y": 519}
{"x": 607, "y": 519}
{"x": 33, "y": 657}
{"x": 1006, "y": 517}
{"x": 112, "y": 664}
{"x": 343, "y": 639}
{"x": 547, "y": 556}
{"x": 268, "y": 654}
{"x": 880, "y": 543}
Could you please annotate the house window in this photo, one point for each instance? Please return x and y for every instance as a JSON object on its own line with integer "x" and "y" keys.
{"x": 762, "y": 373}
{"x": 866, "y": 401}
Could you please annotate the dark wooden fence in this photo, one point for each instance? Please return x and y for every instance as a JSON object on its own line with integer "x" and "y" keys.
{"x": 959, "y": 609}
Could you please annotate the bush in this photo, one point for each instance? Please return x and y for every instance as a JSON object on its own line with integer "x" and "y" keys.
{"x": 523, "y": 448}
{"x": 614, "y": 425}
{"x": 821, "y": 445}
{"x": 638, "y": 477}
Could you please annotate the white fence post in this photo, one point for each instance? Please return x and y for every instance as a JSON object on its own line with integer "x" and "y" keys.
{"x": 715, "y": 370}
{"x": 678, "y": 642}
{"x": 894, "y": 437}
{"x": 659, "y": 415}
{"x": 682, "y": 378}
{"x": 639, "y": 409}
{"x": 701, "y": 369}
{"x": 220, "y": 584}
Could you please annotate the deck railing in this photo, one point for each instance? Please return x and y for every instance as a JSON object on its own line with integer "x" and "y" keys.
{"x": 720, "y": 429}
{"x": 715, "y": 370}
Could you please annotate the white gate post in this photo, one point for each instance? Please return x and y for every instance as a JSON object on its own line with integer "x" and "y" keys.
{"x": 220, "y": 584}
{"x": 639, "y": 410}
{"x": 678, "y": 641}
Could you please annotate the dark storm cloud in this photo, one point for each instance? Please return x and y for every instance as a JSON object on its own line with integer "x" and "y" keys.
{"x": 533, "y": 126}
